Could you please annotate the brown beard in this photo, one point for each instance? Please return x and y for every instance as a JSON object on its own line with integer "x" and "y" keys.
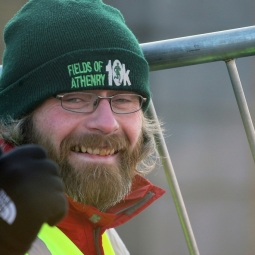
{"x": 95, "y": 184}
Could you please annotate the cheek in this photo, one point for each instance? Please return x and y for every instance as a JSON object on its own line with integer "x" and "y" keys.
{"x": 53, "y": 126}
{"x": 132, "y": 127}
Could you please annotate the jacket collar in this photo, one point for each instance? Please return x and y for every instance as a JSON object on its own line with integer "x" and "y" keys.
{"x": 142, "y": 194}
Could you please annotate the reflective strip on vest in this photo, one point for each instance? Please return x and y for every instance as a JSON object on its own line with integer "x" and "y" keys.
{"x": 52, "y": 241}
{"x": 108, "y": 249}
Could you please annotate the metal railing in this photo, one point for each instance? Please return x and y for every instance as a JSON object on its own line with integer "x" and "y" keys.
{"x": 192, "y": 50}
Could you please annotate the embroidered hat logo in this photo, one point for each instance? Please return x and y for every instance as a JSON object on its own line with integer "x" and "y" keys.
{"x": 87, "y": 74}
{"x": 117, "y": 73}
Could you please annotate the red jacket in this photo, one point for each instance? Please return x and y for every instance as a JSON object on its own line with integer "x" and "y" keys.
{"x": 84, "y": 225}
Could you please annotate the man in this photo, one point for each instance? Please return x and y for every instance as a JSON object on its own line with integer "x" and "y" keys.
{"x": 75, "y": 82}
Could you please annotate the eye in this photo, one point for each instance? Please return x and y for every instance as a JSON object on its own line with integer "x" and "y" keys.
{"x": 122, "y": 99}
{"x": 73, "y": 100}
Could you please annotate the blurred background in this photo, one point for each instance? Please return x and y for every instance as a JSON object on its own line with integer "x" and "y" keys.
{"x": 203, "y": 131}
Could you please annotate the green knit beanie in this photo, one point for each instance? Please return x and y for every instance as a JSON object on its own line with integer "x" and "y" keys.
{"x": 56, "y": 46}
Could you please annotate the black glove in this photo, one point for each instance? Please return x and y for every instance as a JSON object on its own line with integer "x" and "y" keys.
{"x": 29, "y": 182}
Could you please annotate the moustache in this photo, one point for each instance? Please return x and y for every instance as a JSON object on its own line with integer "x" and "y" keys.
{"x": 114, "y": 142}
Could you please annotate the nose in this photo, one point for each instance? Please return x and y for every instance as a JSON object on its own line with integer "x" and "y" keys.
{"x": 102, "y": 120}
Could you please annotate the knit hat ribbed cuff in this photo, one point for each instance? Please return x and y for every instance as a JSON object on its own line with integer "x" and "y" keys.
{"x": 108, "y": 69}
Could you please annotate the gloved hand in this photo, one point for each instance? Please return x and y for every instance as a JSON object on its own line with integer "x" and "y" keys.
{"x": 31, "y": 185}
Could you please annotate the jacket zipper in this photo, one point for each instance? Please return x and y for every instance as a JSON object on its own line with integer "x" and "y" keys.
{"x": 96, "y": 233}
{"x": 129, "y": 210}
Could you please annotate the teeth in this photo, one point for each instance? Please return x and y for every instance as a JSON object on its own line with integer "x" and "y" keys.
{"x": 102, "y": 152}
{"x": 96, "y": 151}
{"x": 83, "y": 149}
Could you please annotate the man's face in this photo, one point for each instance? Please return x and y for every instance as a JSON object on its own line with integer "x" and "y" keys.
{"x": 97, "y": 152}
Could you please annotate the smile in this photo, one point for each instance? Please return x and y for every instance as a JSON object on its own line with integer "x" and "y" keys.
{"x": 97, "y": 151}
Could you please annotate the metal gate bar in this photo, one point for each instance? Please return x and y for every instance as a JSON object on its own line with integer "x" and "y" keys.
{"x": 174, "y": 187}
{"x": 198, "y": 49}
{"x": 192, "y": 50}
{"x": 242, "y": 105}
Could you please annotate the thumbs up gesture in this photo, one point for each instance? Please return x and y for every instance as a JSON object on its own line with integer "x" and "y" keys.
{"x": 31, "y": 193}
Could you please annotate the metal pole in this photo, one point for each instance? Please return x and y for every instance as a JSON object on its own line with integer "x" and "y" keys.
{"x": 242, "y": 104}
{"x": 174, "y": 187}
{"x": 198, "y": 49}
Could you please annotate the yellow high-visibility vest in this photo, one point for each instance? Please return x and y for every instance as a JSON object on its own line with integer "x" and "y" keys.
{"x": 53, "y": 241}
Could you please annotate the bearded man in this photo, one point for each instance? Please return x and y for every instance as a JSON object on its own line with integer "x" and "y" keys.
{"x": 59, "y": 89}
